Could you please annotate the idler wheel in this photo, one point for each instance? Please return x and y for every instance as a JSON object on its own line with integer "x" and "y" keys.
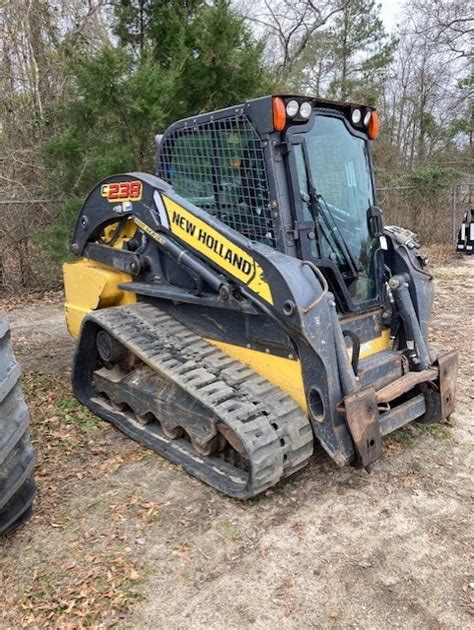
{"x": 110, "y": 350}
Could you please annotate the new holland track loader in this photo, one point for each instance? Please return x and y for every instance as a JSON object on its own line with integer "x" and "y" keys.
{"x": 246, "y": 301}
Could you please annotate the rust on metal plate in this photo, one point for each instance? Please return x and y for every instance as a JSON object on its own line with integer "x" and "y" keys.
{"x": 404, "y": 384}
{"x": 363, "y": 421}
{"x": 448, "y": 370}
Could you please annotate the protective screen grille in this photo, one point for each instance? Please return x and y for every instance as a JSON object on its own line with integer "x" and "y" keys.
{"x": 219, "y": 166}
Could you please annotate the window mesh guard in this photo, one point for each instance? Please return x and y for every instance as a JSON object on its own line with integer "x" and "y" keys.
{"x": 219, "y": 166}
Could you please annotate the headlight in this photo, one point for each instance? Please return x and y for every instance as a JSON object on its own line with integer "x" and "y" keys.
{"x": 292, "y": 108}
{"x": 305, "y": 110}
{"x": 356, "y": 116}
{"x": 367, "y": 118}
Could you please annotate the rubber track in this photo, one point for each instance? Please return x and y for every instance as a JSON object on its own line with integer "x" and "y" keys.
{"x": 273, "y": 429}
{"x": 17, "y": 487}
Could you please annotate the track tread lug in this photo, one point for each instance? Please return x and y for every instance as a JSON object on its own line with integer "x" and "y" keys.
{"x": 273, "y": 429}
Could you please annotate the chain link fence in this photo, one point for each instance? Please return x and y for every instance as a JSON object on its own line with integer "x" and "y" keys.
{"x": 435, "y": 216}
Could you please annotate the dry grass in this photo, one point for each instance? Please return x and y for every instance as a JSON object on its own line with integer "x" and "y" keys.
{"x": 72, "y": 566}
{"x": 441, "y": 255}
{"x": 122, "y": 539}
{"x": 12, "y": 302}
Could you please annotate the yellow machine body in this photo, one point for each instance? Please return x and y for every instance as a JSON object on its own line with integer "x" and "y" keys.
{"x": 286, "y": 373}
{"x": 91, "y": 286}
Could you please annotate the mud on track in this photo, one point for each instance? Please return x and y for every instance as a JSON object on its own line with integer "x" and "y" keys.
{"x": 122, "y": 537}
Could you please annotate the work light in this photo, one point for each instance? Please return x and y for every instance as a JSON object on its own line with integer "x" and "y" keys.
{"x": 305, "y": 110}
{"x": 292, "y": 108}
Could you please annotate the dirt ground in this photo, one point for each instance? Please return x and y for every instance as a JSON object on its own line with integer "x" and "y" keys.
{"x": 121, "y": 538}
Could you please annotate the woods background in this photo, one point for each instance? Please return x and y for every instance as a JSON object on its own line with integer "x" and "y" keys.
{"x": 86, "y": 84}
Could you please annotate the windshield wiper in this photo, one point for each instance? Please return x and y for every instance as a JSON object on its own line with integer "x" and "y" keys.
{"x": 336, "y": 234}
{"x": 319, "y": 208}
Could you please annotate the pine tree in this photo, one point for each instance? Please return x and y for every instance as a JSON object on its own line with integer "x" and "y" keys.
{"x": 173, "y": 59}
{"x": 361, "y": 50}
{"x": 159, "y": 25}
{"x": 224, "y": 63}
{"x": 216, "y": 59}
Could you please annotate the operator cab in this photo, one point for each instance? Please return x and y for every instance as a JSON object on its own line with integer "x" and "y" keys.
{"x": 291, "y": 172}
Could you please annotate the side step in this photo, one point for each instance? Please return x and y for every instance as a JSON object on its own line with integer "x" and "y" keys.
{"x": 380, "y": 369}
{"x": 401, "y": 415}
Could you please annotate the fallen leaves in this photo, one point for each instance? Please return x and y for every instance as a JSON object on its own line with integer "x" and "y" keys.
{"x": 78, "y": 570}
{"x": 182, "y": 551}
{"x": 12, "y": 302}
{"x": 95, "y": 589}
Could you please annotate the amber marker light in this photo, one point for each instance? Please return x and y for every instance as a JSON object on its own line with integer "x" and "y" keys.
{"x": 374, "y": 125}
{"x": 279, "y": 113}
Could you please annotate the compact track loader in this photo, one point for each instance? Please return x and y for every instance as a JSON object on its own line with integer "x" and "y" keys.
{"x": 17, "y": 485}
{"x": 246, "y": 301}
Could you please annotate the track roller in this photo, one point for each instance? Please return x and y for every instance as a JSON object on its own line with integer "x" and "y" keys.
{"x": 145, "y": 372}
